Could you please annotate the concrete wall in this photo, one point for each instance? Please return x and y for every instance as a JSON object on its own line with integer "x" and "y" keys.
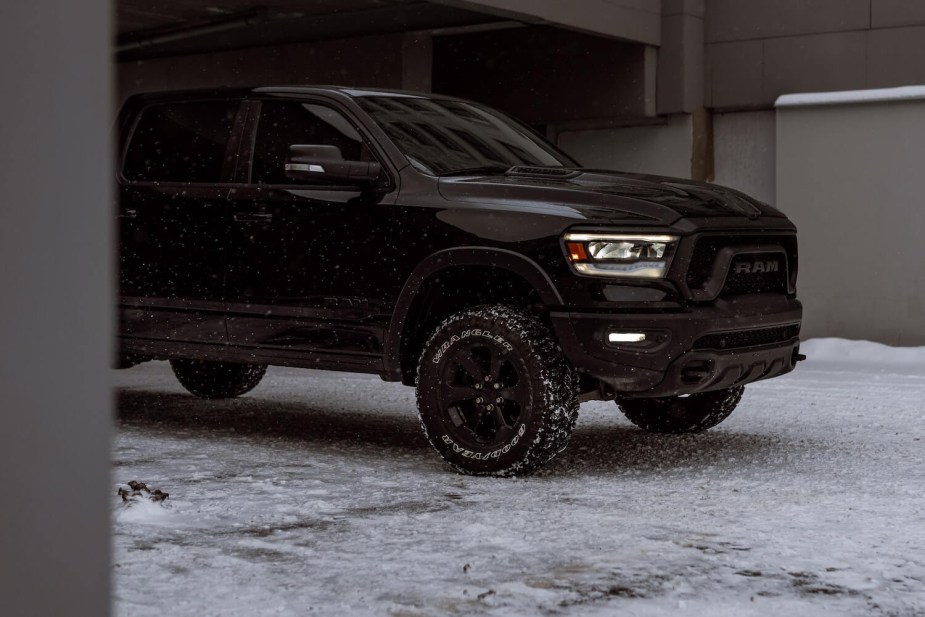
{"x": 630, "y": 20}
{"x": 545, "y": 75}
{"x": 760, "y": 49}
{"x": 744, "y": 148}
{"x": 663, "y": 148}
{"x": 560, "y": 75}
{"x": 850, "y": 178}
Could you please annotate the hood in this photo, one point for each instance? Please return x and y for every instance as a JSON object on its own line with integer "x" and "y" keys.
{"x": 604, "y": 196}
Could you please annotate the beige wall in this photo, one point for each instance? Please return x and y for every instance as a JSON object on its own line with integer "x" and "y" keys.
{"x": 850, "y": 178}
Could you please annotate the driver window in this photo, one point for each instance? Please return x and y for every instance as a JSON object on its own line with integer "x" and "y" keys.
{"x": 285, "y": 123}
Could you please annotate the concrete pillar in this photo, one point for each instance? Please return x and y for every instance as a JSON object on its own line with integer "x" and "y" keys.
{"x": 56, "y": 255}
{"x": 650, "y": 80}
{"x": 681, "y": 57}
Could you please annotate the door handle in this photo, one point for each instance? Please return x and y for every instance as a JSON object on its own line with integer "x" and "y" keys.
{"x": 252, "y": 217}
{"x": 128, "y": 213}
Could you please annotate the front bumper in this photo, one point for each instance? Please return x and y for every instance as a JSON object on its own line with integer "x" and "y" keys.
{"x": 727, "y": 343}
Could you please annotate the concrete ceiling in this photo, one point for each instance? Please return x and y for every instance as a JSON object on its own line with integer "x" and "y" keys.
{"x": 158, "y": 28}
{"x": 141, "y": 15}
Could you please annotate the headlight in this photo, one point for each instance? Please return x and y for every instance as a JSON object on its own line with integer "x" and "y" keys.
{"x": 620, "y": 255}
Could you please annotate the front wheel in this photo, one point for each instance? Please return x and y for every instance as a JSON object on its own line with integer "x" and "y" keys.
{"x": 495, "y": 395}
{"x": 681, "y": 414}
{"x": 208, "y": 379}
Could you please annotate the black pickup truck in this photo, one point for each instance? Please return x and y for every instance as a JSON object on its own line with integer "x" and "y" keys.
{"x": 442, "y": 244}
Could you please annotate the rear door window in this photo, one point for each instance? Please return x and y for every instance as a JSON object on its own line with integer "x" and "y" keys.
{"x": 181, "y": 142}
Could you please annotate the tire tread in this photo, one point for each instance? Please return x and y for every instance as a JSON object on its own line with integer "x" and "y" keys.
{"x": 559, "y": 384}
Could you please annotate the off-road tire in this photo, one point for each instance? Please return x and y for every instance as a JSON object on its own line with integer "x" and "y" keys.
{"x": 482, "y": 355}
{"x": 215, "y": 380}
{"x": 674, "y": 415}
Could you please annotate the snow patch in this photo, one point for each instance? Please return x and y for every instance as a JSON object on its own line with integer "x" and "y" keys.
{"x": 142, "y": 511}
{"x": 806, "y": 99}
{"x": 318, "y": 496}
{"x": 862, "y": 352}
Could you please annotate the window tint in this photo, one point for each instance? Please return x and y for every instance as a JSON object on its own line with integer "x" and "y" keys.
{"x": 287, "y": 123}
{"x": 181, "y": 142}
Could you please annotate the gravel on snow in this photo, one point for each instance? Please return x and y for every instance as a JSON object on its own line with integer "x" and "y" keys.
{"x": 317, "y": 494}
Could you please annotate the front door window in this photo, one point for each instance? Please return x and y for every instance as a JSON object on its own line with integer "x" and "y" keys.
{"x": 286, "y": 123}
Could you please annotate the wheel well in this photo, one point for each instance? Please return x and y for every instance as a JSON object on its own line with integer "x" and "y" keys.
{"x": 451, "y": 290}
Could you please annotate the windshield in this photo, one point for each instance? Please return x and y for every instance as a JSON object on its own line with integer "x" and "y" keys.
{"x": 443, "y": 137}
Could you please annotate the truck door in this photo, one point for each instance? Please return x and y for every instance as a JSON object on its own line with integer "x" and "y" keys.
{"x": 173, "y": 221}
{"x": 306, "y": 259}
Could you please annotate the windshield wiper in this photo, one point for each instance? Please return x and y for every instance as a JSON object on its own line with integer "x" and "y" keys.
{"x": 471, "y": 171}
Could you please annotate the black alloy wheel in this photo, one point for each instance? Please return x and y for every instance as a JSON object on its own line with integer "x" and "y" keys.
{"x": 484, "y": 395}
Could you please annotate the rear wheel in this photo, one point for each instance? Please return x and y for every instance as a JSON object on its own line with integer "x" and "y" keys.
{"x": 681, "y": 414}
{"x": 495, "y": 394}
{"x": 208, "y": 379}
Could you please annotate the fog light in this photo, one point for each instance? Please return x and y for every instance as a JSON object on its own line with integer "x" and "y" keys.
{"x": 626, "y": 337}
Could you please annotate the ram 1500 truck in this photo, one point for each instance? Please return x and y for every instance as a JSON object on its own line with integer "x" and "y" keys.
{"x": 441, "y": 244}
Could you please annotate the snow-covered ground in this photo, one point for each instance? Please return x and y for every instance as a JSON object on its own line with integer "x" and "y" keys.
{"x": 317, "y": 494}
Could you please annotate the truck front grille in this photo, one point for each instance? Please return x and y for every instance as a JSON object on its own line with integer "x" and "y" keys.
{"x": 772, "y": 277}
{"x": 750, "y": 278}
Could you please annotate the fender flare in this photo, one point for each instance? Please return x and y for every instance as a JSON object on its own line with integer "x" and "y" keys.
{"x": 504, "y": 259}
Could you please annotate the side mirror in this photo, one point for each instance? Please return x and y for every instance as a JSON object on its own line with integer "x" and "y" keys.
{"x": 312, "y": 163}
